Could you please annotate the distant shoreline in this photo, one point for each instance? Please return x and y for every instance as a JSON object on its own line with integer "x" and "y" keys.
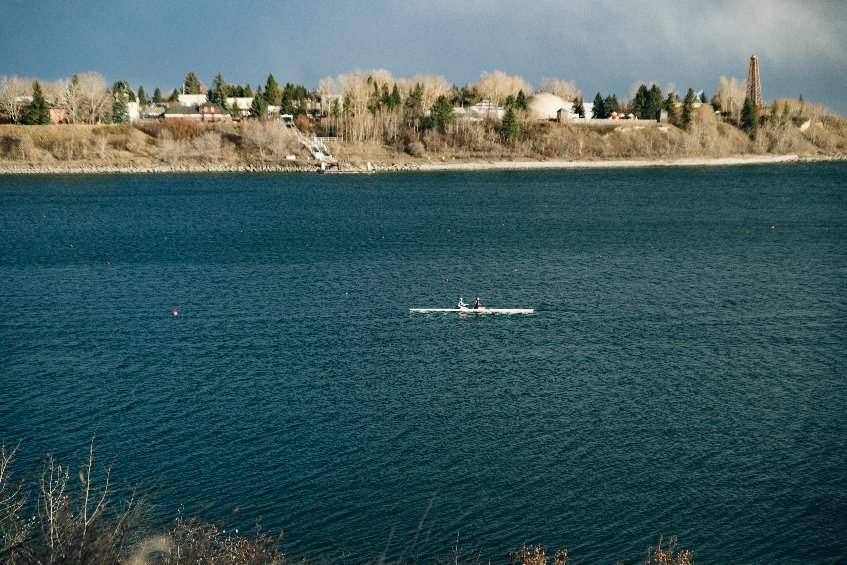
{"x": 424, "y": 167}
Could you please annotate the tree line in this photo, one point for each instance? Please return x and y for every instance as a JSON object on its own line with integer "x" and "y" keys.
{"x": 364, "y": 105}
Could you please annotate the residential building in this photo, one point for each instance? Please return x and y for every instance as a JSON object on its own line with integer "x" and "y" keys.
{"x": 189, "y": 113}
{"x": 243, "y": 102}
{"x": 191, "y": 100}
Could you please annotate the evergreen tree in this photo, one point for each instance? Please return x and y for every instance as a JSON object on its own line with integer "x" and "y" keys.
{"x": 773, "y": 115}
{"x": 716, "y": 102}
{"x": 654, "y": 103}
{"x": 217, "y": 94}
{"x": 293, "y": 100}
{"x": 688, "y": 108}
{"x": 413, "y": 106}
{"x": 750, "y": 117}
{"x": 192, "y": 84}
{"x": 520, "y": 101}
{"x": 598, "y": 111}
{"x": 385, "y": 97}
{"x": 174, "y": 97}
{"x": 38, "y": 113}
{"x": 509, "y": 127}
{"x": 273, "y": 94}
{"x": 786, "y": 113}
{"x": 122, "y": 87}
{"x": 670, "y": 101}
{"x": 143, "y": 101}
{"x": 374, "y": 98}
{"x": 467, "y": 96}
{"x": 579, "y": 107}
{"x": 259, "y": 108}
{"x": 119, "y": 109}
{"x": 441, "y": 114}
{"x": 157, "y": 97}
{"x": 395, "y": 97}
{"x": 235, "y": 110}
{"x": 610, "y": 104}
{"x": 671, "y": 109}
{"x": 703, "y": 99}
{"x": 248, "y": 92}
{"x": 510, "y": 102}
{"x": 640, "y": 103}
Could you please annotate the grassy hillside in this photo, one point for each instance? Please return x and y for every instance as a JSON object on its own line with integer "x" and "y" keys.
{"x": 787, "y": 127}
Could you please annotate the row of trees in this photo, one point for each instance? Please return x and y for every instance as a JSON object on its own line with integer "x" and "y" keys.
{"x": 376, "y": 106}
{"x": 290, "y": 98}
{"x": 85, "y": 97}
{"x": 364, "y": 105}
{"x": 647, "y": 104}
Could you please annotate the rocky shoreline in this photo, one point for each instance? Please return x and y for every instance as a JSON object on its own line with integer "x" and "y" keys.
{"x": 433, "y": 166}
{"x": 70, "y": 169}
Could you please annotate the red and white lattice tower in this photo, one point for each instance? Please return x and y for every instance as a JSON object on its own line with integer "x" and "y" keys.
{"x": 754, "y": 87}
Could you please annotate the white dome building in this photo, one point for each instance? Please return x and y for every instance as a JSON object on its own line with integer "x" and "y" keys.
{"x": 545, "y": 106}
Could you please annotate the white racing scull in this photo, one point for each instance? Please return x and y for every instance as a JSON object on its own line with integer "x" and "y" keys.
{"x": 475, "y": 310}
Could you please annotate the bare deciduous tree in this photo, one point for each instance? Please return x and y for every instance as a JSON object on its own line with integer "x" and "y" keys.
{"x": 564, "y": 89}
{"x": 92, "y": 96}
{"x": 208, "y": 146}
{"x": 268, "y": 140}
{"x": 732, "y": 93}
{"x": 14, "y": 529}
{"x": 15, "y": 93}
{"x": 433, "y": 85}
{"x": 67, "y": 92}
{"x": 498, "y": 86}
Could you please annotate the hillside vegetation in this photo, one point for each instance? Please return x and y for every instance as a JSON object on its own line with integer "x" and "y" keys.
{"x": 788, "y": 127}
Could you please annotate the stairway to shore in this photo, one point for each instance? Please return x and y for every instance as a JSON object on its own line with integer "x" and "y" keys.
{"x": 315, "y": 145}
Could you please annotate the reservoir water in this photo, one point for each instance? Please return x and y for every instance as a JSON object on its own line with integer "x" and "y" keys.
{"x": 685, "y": 371}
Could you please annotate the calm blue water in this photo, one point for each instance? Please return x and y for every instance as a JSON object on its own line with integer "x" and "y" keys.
{"x": 684, "y": 373}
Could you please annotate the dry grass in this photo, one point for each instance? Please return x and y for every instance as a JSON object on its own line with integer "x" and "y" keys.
{"x": 787, "y": 127}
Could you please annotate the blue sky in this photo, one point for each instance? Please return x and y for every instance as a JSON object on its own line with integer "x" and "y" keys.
{"x": 602, "y": 45}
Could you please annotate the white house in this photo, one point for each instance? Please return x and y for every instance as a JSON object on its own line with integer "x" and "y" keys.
{"x": 133, "y": 110}
{"x": 244, "y": 103}
{"x": 190, "y": 100}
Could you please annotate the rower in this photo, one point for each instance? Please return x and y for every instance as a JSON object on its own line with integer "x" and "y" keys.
{"x": 477, "y": 304}
{"x": 462, "y": 303}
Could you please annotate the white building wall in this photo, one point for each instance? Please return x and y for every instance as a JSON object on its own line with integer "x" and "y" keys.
{"x": 133, "y": 111}
{"x": 244, "y": 102}
{"x": 192, "y": 99}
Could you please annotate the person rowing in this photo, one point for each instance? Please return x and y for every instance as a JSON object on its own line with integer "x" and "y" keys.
{"x": 462, "y": 304}
{"x": 477, "y": 304}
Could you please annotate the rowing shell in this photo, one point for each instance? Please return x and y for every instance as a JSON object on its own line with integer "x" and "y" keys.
{"x": 475, "y": 310}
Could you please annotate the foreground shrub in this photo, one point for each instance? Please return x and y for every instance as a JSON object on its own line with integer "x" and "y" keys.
{"x": 56, "y": 516}
{"x": 74, "y": 521}
{"x": 668, "y": 555}
{"x": 178, "y": 129}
